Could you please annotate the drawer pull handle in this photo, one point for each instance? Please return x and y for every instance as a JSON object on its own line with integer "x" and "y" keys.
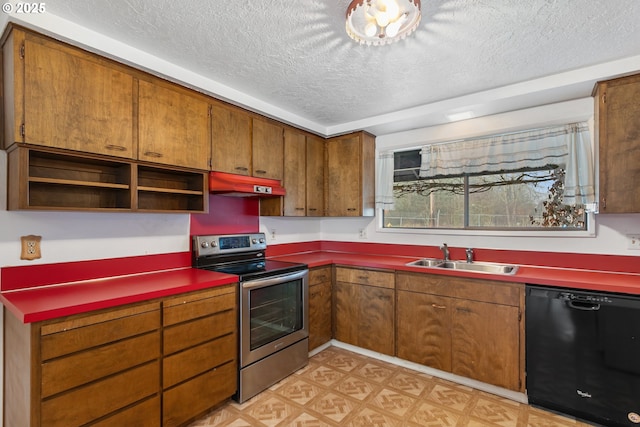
{"x": 116, "y": 147}
{"x": 152, "y": 154}
{"x": 440, "y": 307}
{"x": 241, "y": 168}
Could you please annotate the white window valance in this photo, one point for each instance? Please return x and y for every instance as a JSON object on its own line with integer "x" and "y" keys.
{"x": 565, "y": 146}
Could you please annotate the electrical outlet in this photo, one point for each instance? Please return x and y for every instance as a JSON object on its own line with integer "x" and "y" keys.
{"x": 633, "y": 241}
{"x": 30, "y": 247}
{"x": 362, "y": 233}
{"x": 273, "y": 234}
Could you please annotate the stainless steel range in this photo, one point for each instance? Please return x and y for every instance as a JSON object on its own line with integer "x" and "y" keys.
{"x": 273, "y": 316}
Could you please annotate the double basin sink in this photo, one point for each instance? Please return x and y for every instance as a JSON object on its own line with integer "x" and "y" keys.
{"x": 480, "y": 267}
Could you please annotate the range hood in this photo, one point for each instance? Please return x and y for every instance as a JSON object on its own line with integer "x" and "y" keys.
{"x": 229, "y": 184}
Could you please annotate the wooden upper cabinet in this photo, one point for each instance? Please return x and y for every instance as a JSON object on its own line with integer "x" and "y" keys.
{"x": 349, "y": 180}
{"x": 315, "y": 176}
{"x": 173, "y": 125}
{"x": 63, "y": 97}
{"x": 618, "y": 133}
{"x": 268, "y": 149}
{"x": 294, "y": 173}
{"x": 231, "y": 140}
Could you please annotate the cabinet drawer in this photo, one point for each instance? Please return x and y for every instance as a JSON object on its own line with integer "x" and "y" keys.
{"x": 383, "y": 279}
{"x": 144, "y": 414}
{"x": 187, "y": 334}
{"x": 192, "y": 398}
{"x": 83, "y": 332}
{"x": 194, "y": 361}
{"x": 73, "y": 409}
{"x": 81, "y": 368}
{"x": 319, "y": 275}
{"x": 198, "y": 304}
{"x": 491, "y": 291}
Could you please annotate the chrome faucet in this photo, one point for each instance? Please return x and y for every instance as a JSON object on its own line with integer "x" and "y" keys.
{"x": 445, "y": 251}
{"x": 469, "y": 252}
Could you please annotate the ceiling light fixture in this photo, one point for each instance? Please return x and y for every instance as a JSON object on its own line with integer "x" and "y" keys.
{"x": 378, "y": 22}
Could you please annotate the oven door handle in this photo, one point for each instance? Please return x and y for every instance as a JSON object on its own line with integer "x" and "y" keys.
{"x": 274, "y": 280}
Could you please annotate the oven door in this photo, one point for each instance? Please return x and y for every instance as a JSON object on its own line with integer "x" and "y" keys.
{"x": 273, "y": 314}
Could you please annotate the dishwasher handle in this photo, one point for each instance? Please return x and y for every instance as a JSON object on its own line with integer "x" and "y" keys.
{"x": 584, "y": 306}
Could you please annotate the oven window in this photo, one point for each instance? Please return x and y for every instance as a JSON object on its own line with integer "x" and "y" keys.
{"x": 275, "y": 311}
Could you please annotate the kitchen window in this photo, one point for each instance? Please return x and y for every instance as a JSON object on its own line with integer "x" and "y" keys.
{"x": 519, "y": 181}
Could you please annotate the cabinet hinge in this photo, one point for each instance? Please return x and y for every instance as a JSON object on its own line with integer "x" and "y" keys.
{"x": 210, "y": 110}
{"x": 22, "y": 51}
{"x": 604, "y": 98}
{"x": 22, "y": 131}
{"x": 519, "y": 315}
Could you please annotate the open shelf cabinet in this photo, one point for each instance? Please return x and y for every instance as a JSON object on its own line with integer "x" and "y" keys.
{"x": 45, "y": 179}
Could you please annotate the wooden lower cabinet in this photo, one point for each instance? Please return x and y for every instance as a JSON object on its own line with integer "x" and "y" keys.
{"x": 364, "y": 308}
{"x": 84, "y": 369}
{"x": 320, "y": 331}
{"x": 157, "y": 363}
{"x": 470, "y": 327}
{"x": 200, "y": 353}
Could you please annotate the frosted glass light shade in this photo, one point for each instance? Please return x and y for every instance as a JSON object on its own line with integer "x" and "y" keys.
{"x": 379, "y": 22}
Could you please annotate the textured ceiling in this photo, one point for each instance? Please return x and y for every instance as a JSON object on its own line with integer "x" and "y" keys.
{"x": 296, "y": 56}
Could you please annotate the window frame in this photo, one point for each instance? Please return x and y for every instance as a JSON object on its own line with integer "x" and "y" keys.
{"x": 589, "y": 231}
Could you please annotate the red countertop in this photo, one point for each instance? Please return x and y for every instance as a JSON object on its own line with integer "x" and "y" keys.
{"x": 64, "y": 299}
{"x": 44, "y": 292}
{"x": 608, "y": 281}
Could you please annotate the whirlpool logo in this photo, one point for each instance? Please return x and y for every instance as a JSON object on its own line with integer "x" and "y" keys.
{"x": 583, "y": 394}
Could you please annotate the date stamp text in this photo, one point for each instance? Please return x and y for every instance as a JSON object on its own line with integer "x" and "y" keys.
{"x": 20, "y": 7}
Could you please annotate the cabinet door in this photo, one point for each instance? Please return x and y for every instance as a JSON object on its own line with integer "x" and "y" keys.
{"x": 174, "y": 127}
{"x": 295, "y": 173}
{"x": 315, "y": 176}
{"x": 75, "y": 101}
{"x": 617, "y": 115}
{"x": 349, "y": 179}
{"x": 486, "y": 343}
{"x": 319, "y": 314}
{"x": 376, "y": 324}
{"x": 343, "y": 176}
{"x": 268, "y": 149}
{"x": 424, "y": 325}
{"x": 346, "y": 297}
{"x": 231, "y": 140}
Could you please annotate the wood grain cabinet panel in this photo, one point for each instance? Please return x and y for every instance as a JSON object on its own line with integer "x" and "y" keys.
{"x": 231, "y": 139}
{"x": 470, "y": 327}
{"x": 121, "y": 366}
{"x": 320, "y": 325}
{"x": 424, "y": 329}
{"x": 349, "y": 178}
{"x": 618, "y": 135}
{"x": 315, "y": 175}
{"x": 63, "y": 97}
{"x": 174, "y": 125}
{"x": 364, "y": 314}
{"x": 200, "y": 352}
{"x": 268, "y": 149}
{"x": 295, "y": 171}
{"x": 84, "y": 369}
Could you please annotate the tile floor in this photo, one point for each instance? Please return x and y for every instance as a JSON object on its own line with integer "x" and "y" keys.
{"x": 342, "y": 388}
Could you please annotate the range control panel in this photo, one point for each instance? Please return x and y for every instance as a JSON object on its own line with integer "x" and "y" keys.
{"x": 228, "y": 244}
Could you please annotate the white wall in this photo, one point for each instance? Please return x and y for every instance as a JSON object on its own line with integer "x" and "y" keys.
{"x": 610, "y": 230}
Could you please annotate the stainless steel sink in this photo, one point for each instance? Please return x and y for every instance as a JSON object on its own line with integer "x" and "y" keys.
{"x": 426, "y": 262}
{"x": 479, "y": 267}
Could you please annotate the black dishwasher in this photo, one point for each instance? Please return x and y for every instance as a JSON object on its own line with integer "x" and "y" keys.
{"x": 583, "y": 354}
